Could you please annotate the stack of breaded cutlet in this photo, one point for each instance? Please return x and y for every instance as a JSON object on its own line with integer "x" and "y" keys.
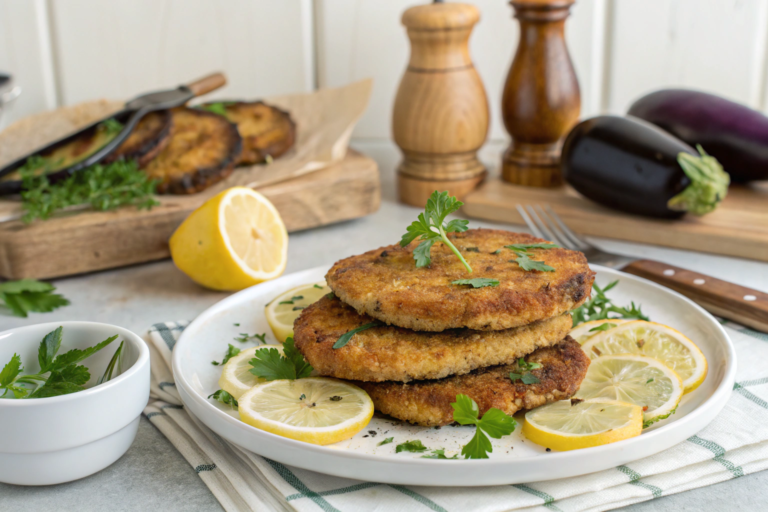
{"x": 426, "y": 340}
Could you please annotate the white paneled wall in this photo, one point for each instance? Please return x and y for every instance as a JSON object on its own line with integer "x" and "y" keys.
{"x": 65, "y": 51}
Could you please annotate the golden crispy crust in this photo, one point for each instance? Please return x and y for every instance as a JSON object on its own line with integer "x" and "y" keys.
{"x": 395, "y": 354}
{"x": 201, "y": 152}
{"x": 428, "y": 403}
{"x": 266, "y": 130}
{"x": 386, "y": 284}
{"x": 151, "y": 135}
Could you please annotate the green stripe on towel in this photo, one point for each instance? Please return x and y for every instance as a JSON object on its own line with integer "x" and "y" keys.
{"x": 548, "y": 500}
{"x": 634, "y": 479}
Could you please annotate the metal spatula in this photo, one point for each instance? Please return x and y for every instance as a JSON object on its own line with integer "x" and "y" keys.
{"x": 130, "y": 116}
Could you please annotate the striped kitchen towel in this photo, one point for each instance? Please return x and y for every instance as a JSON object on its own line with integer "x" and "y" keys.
{"x": 733, "y": 445}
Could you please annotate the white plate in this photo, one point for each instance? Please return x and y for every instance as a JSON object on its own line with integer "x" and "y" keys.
{"x": 514, "y": 459}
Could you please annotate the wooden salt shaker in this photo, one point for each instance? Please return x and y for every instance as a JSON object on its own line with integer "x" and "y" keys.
{"x": 440, "y": 118}
{"x": 541, "y": 101}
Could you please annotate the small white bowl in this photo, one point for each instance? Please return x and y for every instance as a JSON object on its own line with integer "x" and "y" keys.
{"x": 53, "y": 440}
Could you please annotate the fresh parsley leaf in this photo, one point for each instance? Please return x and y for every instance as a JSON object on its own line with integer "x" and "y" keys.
{"x": 10, "y": 371}
{"x": 414, "y": 446}
{"x": 63, "y": 381}
{"x": 440, "y": 454}
{"x": 514, "y": 377}
{"x": 649, "y": 380}
{"x": 478, "y": 282}
{"x": 430, "y": 228}
{"x": 76, "y": 355}
{"x": 386, "y": 441}
{"x": 600, "y": 307}
{"x": 317, "y": 286}
{"x": 48, "y": 348}
{"x": 245, "y": 337}
{"x": 101, "y": 187}
{"x": 29, "y": 295}
{"x": 344, "y": 338}
{"x": 111, "y": 126}
{"x": 603, "y": 327}
{"x": 331, "y": 296}
{"x": 528, "y": 264}
{"x": 231, "y": 352}
{"x": 270, "y": 365}
{"x": 224, "y": 397}
{"x": 115, "y": 362}
{"x": 529, "y": 378}
{"x": 528, "y": 247}
{"x": 525, "y": 365}
{"x": 494, "y": 423}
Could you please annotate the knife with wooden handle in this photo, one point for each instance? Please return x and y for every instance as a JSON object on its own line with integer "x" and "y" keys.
{"x": 729, "y": 300}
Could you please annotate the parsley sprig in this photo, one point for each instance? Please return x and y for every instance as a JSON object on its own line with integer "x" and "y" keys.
{"x": 224, "y": 397}
{"x": 28, "y": 295}
{"x": 524, "y": 254}
{"x": 58, "y": 375}
{"x": 231, "y": 352}
{"x": 494, "y": 423}
{"x": 431, "y": 228}
{"x": 600, "y": 307}
{"x": 525, "y": 374}
{"x": 269, "y": 364}
{"x": 102, "y": 187}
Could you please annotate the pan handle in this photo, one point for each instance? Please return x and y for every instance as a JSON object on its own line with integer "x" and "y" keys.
{"x": 207, "y": 84}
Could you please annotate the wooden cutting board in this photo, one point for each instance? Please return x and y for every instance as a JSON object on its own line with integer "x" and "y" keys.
{"x": 89, "y": 241}
{"x": 739, "y": 226}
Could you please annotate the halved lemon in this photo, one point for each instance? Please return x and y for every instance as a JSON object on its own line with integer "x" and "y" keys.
{"x": 314, "y": 410}
{"x": 573, "y": 424}
{"x": 236, "y": 377}
{"x": 234, "y": 240}
{"x": 286, "y": 308}
{"x": 634, "y": 379}
{"x": 671, "y": 347}
{"x": 583, "y": 332}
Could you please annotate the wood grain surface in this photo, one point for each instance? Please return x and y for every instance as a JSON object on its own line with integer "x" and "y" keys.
{"x": 739, "y": 226}
{"x": 90, "y": 241}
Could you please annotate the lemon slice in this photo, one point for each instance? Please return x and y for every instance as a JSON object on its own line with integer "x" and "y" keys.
{"x": 637, "y": 380}
{"x": 286, "y": 308}
{"x": 236, "y": 377}
{"x": 583, "y": 332}
{"x": 234, "y": 240}
{"x": 653, "y": 340}
{"x": 314, "y": 410}
{"x": 570, "y": 425}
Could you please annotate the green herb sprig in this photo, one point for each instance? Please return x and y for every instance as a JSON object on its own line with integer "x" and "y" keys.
{"x": 431, "y": 228}
{"x": 344, "y": 338}
{"x": 600, "y": 307}
{"x": 525, "y": 374}
{"x": 224, "y": 397}
{"x": 244, "y": 337}
{"x": 28, "y": 295}
{"x": 58, "y": 375}
{"x": 231, "y": 352}
{"x": 269, "y": 364}
{"x": 102, "y": 187}
{"x": 494, "y": 423}
{"x": 414, "y": 446}
{"x": 524, "y": 254}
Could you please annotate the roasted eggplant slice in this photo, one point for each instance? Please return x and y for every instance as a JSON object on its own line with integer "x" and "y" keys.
{"x": 267, "y": 131}
{"x": 151, "y": 135}
{"x": 202, "y": 151}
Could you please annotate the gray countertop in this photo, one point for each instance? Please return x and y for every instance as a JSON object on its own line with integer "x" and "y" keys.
{"x": 153, "y": 476}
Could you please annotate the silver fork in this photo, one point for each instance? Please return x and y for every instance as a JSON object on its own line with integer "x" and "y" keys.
{"x": 729, "y": 300}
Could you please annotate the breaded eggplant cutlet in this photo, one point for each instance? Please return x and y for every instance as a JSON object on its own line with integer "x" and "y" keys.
{"x": 392, "y": 353}
{"x": 387, "y": 285}
{"x": 428, "y": 402}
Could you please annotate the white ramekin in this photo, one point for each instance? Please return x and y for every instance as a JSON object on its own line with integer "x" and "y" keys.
{"x": 59, "y": 439}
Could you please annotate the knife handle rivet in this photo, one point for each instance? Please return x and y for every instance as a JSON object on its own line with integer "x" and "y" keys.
{"x": 669, "y": 272}
{"x": 750, "y": 297}
{"x": 698, "y": 281}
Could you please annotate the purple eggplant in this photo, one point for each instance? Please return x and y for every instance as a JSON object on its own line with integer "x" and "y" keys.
{"x": 633, "y": 166}
{"x": 734, "y": 134}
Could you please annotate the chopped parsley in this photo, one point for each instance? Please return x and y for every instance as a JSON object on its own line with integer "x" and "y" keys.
{"x": 245, "y": 337}
{"x": 344, "y": 338}
{"x": 231, "y": 352}
{"x": 440, "y": 454}
{"x": 224, "y": 397}
{"x": 522, "y": 251}
{"x": 386, "y": 441}
{"x": 414, "y": 446}
{"x": 603, "y": 327}
{"x": 477, "y": 282}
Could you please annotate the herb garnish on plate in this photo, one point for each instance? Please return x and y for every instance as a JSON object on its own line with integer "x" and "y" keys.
{"x": 58, "y": 375}
{"x": 523, "y": 253}
{"x": 29, "y": 295}
{"x": 270, "y": 365}
{"x": 494, "y": 423}
{"x": 224, "y": 397}
{"x": 431, "y": 228}
{"x": 415, "y": 446}
{"x": 231, "y": 352}
{"x": 600, "y": 307}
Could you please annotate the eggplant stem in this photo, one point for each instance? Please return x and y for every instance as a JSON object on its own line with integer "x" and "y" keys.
{"x": 709, "y": 183}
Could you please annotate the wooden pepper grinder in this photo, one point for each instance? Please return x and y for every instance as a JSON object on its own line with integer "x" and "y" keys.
{"x": 541, "y": 101}
{"x": 440, "y": 118}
